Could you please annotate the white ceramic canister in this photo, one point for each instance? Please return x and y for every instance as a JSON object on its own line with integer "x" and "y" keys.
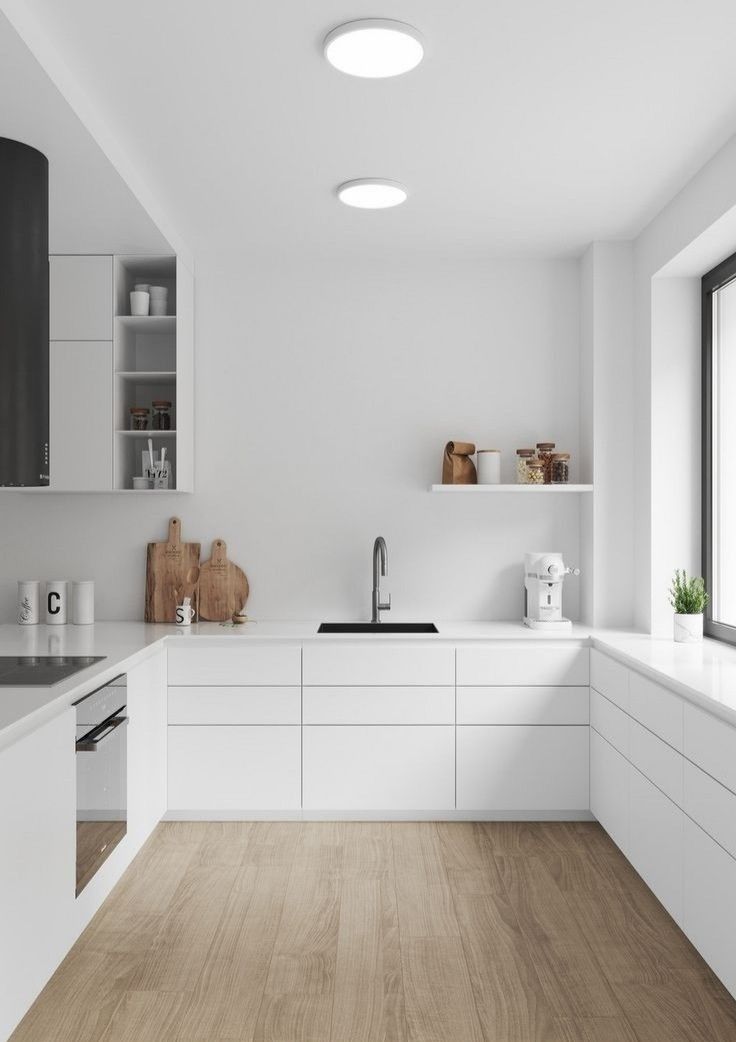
{"x": 489, "y": 466}
{"x": 139, "y": 302}
{"x": 29, "y": 601}
{"x": 56, "y": 602}
{"x": 83, "y": 602}
{"x": 688, "y": 628}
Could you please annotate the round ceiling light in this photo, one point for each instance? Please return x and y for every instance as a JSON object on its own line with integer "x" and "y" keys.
{"x": 372, "y": 193}
{"x": 374, "y": 48}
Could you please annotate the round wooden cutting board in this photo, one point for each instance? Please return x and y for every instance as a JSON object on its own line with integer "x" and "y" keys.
{"x": 223, "y": 587}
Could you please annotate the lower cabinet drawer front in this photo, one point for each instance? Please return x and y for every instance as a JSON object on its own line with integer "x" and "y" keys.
{"x": 709, "y": 902}
{"x": 234, "y": 768}
{"x": 234, "y": 705}
{"x": 711, "y": 744}
{"x": 522, "y": 664}
{"x": 655, "y": 841}
{"x": 523, "y": 705}
{"x": 610, "y": 678}
{"x": 379, "y": 705}
{"x": 657, "y": 708}
{"x": 609, "y": 721}
{"x": 255, "y": 664}
{"x": 657, "y": 760}
{"x": 379, "y": 768}
{"x": 347, "y": 664}
{"x": 712, "y": 806}
{"x": 609, "y": 789}
{"x": 522, "y": 768}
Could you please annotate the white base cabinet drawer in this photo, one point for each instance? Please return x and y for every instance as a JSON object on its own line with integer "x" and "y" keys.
{"x": 379, "y": 768}
{"x": 658, "y": 761}
{"x": 711, "y": 743}
{"x": 655, "y": 841}
{"x": 521, "y": 665}
{"x": 711, "y": 805}
{"x": 609, "y": 789}
{"x": 610, "y": 678}
{"x": 349, "y": 665}
{"x": 258, "y": 665}
{"x": 234, "y": 705}
{"x": 657, "y": 708}
{"x": 234, "y": 768}
{"x": 522, "y": 768}
{"x": 523, "y": 705}
{"x": 379, "y": 705}
{"x": 609, "y": 721}
{"x": 709, "y": 902}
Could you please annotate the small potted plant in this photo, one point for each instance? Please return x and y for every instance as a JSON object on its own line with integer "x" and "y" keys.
{"x": 688, "y": 598}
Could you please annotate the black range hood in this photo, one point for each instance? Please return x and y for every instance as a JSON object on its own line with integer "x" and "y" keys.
{"x": 24, "y": 315}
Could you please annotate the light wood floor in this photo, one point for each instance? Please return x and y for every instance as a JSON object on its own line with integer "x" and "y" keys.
{"x": 276, "y": 932}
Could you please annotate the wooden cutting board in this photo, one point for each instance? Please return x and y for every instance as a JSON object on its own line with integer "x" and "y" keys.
{"x": 172, "y": 571}
{"x": 223, "y": 587}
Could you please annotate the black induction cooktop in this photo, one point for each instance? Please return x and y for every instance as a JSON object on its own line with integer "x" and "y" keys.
{"x": 42, "y": 670}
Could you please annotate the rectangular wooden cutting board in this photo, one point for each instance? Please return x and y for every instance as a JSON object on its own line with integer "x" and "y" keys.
{"x": 172, "y": 573}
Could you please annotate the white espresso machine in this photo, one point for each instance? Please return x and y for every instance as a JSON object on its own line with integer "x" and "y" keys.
{"x": 544, "y": 575}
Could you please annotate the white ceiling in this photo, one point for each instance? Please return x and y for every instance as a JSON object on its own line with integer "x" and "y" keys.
{"x": 532, "y": 127}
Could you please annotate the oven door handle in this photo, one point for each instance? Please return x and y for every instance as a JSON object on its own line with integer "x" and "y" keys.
{"x": 91, "y": 741}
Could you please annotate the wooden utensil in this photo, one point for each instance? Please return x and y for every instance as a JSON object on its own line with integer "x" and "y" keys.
{"x": 223, "y": 587}
{"x": 172, "y": 570}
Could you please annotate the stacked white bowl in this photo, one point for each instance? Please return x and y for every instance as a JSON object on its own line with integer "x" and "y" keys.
{"x": 159, "y": 296}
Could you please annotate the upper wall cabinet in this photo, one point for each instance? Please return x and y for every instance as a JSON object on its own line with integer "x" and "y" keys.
{"x": 80, "y": 298}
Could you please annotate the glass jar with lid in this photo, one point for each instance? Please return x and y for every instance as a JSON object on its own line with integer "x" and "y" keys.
{"x": 138, "y": 418}
{"x": 560, "y": 468}
{"x": 522, "y": 458}
{"x": 161, "y": 420}
{"x": 535, "y": 471}
{"x": 545, "y": 450}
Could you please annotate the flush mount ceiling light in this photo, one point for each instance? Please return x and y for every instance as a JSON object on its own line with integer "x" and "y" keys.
{"x": 374, "y": 48}
{"x": 371, "y": 193}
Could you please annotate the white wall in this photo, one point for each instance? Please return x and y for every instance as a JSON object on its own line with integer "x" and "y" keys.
{"x": 324, "y": 395}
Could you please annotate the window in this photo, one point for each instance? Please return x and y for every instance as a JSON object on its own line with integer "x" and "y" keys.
{"x": 719, "y": 449}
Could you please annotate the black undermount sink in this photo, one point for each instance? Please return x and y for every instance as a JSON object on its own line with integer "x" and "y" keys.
{"x": 377, "y": 627}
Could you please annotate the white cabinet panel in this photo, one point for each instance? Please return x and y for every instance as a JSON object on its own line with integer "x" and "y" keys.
{"x": 80, "y": 298}
{"x": 709, "y": 902}
{"x": 377, "y": 665}
{"x": 655, "y": 841}
{"x": 146, "y": 747}
{"x": 379, "y": 705}
{"x": 609, "y": 789}
{"x": 379, "y": 768}
{"x": 657, "y": 760}
{"x": 711, "y": 744}
{"x": 234, "y": 705}
{"x": 522, "y": 665}
{"x": 522, "y": 768}
{"x": 234, "y": 768}
{"x": 657, "y": 708}
{"x": 258, "y": 665}
{"x": 711, "y": 805}
{"x": 522, "y": 705}
{"x": 610, "y": 678}
{"x": 609, "y": 721}
{"x": 80, "y": 415}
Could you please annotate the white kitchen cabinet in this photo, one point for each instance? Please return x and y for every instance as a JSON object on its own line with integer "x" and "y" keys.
{"x": 379, "y": 768}
{"x": 655, "y": 841}
{"x": 609, "y": 789}
{"x": 609, "y": 721}
{"x": 37, "y": 862}
{"x": 379, "y": 705}
{"x": 711, "y": 744}
{"x": 234, "y": 705}
{"x": 80, "y": 415}
{"x": 524, "y": 768}
{"x": 220, "y": 769}
{"x": 711, "y": 805}
{"x": 347, "y": 664}
{"x": 709, "y": 902}
{"x": 261, "y": 665}
{"x": 662, "y": 764}
{"x": 522, "y": 665}
{"x": 658, "y": 709}
{"x": 80, "y": 298}
{"x": 523, "y": 705}
{"x": 610, "y": 678}
{"x": 146, "y": 747}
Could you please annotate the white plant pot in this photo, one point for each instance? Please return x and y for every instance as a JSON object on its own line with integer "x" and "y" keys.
{"x": 688, "y": 628}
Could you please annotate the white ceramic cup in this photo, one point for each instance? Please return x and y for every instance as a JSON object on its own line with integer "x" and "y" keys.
{"x": 56, "y": 602}
{"x": 83, "y": 602}
{"x": 184, "y": 614}
{"x": 139, "y": 302}
{"x": 29, "y": 599}
{"x": 142, "y": 483}
{"x": 489, "y": 466}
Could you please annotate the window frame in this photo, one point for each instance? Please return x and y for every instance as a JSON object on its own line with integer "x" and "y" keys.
{"x": 711, "y": 282}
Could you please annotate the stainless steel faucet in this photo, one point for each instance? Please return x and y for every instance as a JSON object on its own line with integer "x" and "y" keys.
{"x": 379, "y": 553}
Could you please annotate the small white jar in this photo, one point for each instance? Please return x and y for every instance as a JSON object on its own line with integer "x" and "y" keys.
{"x": 29, "y": 601}
{"x": 83, "y": 602}
{"x": 56, "y": 602}
{"x": 489, "y": 466}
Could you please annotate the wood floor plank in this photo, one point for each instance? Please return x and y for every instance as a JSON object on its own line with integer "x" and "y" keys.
{"x": 422, "y": 885}
{"x": 439, "y": 997}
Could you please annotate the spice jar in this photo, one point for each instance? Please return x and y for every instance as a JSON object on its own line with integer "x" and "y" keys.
{"x": 545, "y": 451}
{"x": 138, "y": 419}
{"x": 535, "y": 472}
{"x": 560, "y": 468}
{"x": 522, "y": 458}
{"x": 161, "y": 420}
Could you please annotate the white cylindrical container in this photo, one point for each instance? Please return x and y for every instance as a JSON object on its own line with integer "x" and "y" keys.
{"x": 489, "y": 466}
{"x": 56, "y": 602}
{"x": 83, "y": 602}
{"x": 29, "y": 601}
{"x": 688, "y": 628}
{"x": 139, "y": 302}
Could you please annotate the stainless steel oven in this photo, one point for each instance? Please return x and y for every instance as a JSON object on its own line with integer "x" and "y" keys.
{"x": 102, "y": 776}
